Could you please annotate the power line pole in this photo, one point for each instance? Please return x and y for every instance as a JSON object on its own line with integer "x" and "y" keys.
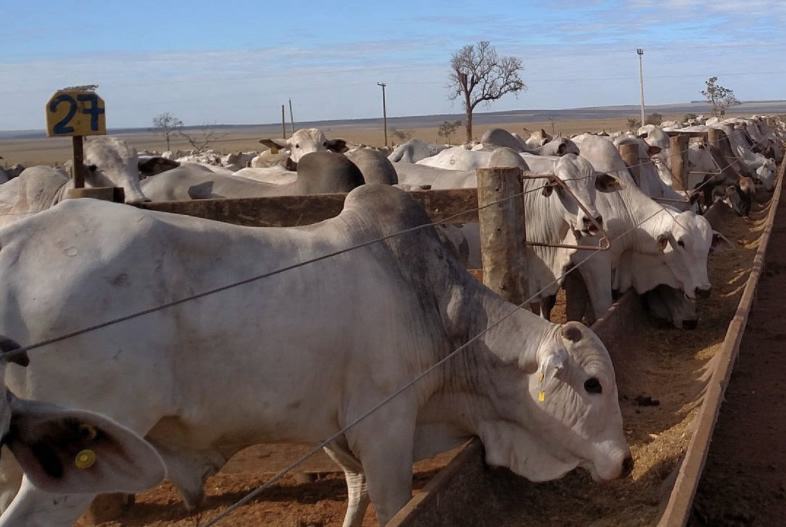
{"x": 283, "y": 122}
{"x": 384, "y": 111}
{"x": 291, "y": 117}
{"x": 640, "y": 53}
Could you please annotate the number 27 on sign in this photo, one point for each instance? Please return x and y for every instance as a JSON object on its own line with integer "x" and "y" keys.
{"x": 75, "y": 113}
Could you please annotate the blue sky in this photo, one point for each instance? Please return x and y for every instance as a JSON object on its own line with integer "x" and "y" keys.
{"x": 236, "y": 62}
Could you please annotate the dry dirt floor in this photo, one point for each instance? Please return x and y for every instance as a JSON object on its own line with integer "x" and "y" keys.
{"x": 744, "y": 480}
{"x": 658, "y": 411}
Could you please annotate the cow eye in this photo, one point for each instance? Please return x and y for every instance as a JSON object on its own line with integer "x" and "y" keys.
{"x": 681, "y": 243}
{"x": 92, "y": 168}
{"x": 592, "y": 385}
{"x": 297, "y": 146}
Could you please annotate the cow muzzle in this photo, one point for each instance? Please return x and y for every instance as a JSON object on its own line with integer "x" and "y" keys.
{"x": 592, "y": 227}
{"x": 703, "y": 293}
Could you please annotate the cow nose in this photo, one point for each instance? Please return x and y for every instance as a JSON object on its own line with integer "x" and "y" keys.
{"x": 627, "y": 466}
{"x": 703, "y": 293}
{"x": 690, "y": 324}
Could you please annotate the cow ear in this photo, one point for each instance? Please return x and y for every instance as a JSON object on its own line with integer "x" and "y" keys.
{"x": 719, "y": 241}
{"x": 275, "y": 144}
{"x": 607, "y": 183}
{"x": 545, "y": 135}
{"x": 70, "y": 451}
{"x": 548, "y": 188}
{"x": 663, "y": 242}
{"x": 336, "y": 145}
{"x": 562, "y": 149}
{"x": 652, "y": 150}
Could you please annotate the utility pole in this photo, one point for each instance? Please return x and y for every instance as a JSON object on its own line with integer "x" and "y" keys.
{"x": 283, "y": 122}
{"x": 291, "y": 117}
{"x": 640, "y": 53}
{"x": 384, "y": 111}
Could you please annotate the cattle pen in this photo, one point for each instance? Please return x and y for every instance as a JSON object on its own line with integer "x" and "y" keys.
{"x": 459, "y": 489}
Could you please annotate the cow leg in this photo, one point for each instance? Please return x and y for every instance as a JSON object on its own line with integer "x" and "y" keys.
{"x": 10, "y": 478}
{"x": 35, "y": 508}
{"x": 357, "y": 490}
{"x": 576, "y": 296}
{"x": 387, "y": 459}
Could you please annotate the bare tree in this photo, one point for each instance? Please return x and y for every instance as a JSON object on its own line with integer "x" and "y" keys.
{"x": 654, "y": 118}
{"x": 167, "y": 124}
{"x": 447, "y": 128}
{"x": 720, "y": 98}
{"x": 401, "y": 135}
{"x": 479, "y": 75}
{"x": 201, "y": 137}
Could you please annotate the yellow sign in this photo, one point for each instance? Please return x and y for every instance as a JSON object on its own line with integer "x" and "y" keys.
{"x": 75, "y": 111}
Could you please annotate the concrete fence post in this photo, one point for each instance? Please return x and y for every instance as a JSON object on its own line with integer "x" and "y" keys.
{"x": 503, "y": 232}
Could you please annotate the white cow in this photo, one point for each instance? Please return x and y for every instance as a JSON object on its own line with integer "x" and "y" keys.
{"x": 677, "y": 244}
{"x": 305, "y": 141}
{"x": 318, "y": 173}
{"x": 414, "y": 150}
{"x": 458, "y": 158}
{"x": 110, "y": 162}
{"x": 541, "y": 397}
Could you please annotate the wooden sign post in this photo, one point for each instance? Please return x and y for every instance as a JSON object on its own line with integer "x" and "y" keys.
{"x": 76, "y": 112}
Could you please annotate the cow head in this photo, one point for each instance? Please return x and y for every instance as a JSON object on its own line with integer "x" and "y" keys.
{"x": 305, "y": 141}
{"x": 561, "y": 412}
{"x": 577, "y": 174}
{"x": 685, "y": 247}
{"x": 111, "y": 162}
{"x": 72, "y": 451}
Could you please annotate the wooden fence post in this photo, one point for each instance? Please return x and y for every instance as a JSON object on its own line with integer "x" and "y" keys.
{"x": 713, "y": 137}
{"x": 629, "y": 152}
{"x": 679, "y": 161}
{"x": 502, "y": 232}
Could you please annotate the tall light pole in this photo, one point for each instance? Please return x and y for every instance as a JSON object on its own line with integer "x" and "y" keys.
{"x": 384, "y": 111}
{"x": 640, "y": 53}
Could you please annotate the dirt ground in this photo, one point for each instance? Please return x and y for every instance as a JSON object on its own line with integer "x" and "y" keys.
{"x": 744, "y": 480}
{"x": 657, "y": 414}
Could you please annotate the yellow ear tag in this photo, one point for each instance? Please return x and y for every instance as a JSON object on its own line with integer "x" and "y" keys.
{"x": 541, "y": 396}
{"x": 85, "y": 459}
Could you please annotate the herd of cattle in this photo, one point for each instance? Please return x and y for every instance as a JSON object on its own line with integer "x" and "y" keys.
{"x": 120, "y": 371}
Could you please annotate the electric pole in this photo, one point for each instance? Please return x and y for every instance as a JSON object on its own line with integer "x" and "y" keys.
{"x": 384, "y": 111}
{"x": 291, "y": 117}
{"x": 640, "y": 53}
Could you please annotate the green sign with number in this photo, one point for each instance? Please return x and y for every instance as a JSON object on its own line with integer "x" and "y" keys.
{"x": 73, "y": 112}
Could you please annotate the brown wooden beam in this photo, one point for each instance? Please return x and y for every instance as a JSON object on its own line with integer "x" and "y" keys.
{"x": 455, "y": 205}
